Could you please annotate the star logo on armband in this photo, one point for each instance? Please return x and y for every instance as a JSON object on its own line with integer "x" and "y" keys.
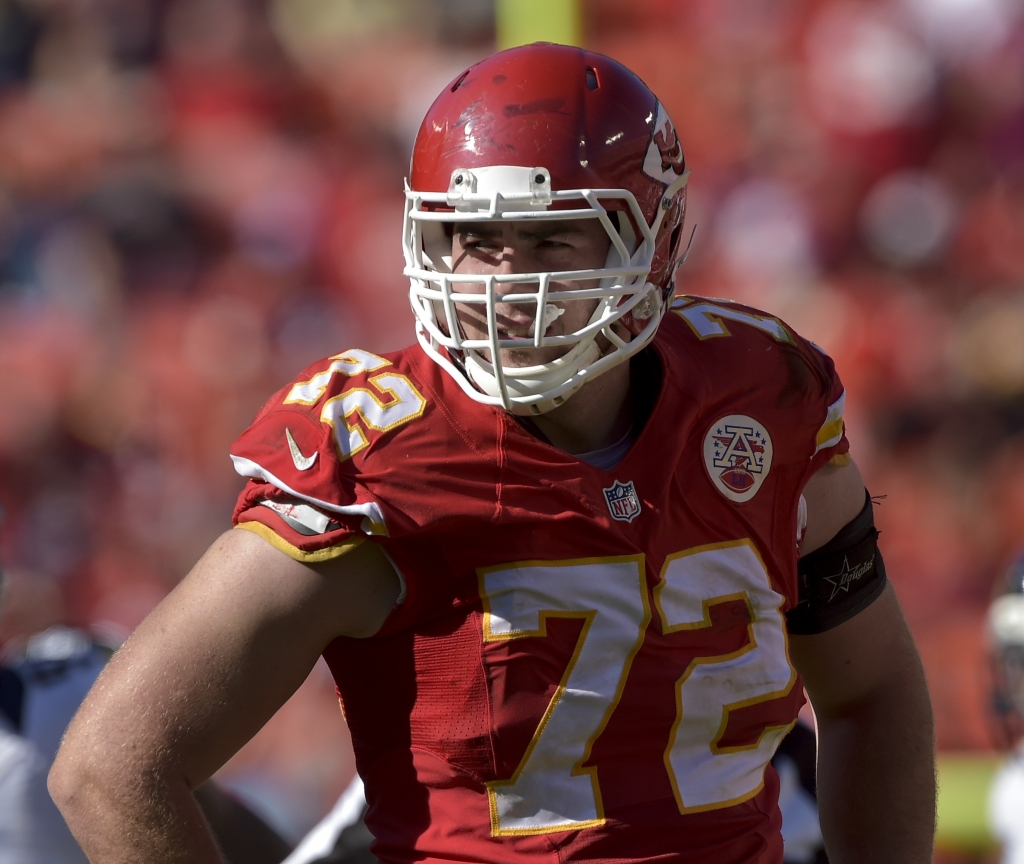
{"x": 847, "y": 576}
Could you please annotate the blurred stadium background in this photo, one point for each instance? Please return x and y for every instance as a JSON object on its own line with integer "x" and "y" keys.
{"x": 199, "y": 197}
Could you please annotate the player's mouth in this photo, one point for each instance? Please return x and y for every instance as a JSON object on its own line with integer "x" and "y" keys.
{"x": 520, "y": 335}
{"x": 523, "y": 328}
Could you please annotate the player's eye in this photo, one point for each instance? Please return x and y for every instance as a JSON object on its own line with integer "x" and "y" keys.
{"x": 471, "y": 240}
{"x": 555, "y": 243}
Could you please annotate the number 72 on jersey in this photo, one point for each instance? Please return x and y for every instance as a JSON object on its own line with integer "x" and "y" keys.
{"x": 551, "y": 789}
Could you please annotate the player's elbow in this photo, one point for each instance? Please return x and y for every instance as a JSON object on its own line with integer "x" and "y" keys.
{"x": 84, "y": 776}
{"x": 69, "y": 782}
{"x": 74, "y": 780}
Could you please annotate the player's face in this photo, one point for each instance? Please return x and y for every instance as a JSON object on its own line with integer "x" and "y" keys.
{"x": 527, "y": 247}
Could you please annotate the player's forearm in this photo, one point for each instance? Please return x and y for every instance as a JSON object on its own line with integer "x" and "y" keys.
{"x": 876, "y": 777}
{"x": 149, "y": 820}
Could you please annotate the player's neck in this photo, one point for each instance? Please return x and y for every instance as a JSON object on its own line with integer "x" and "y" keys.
{"x": 595, "y": 417}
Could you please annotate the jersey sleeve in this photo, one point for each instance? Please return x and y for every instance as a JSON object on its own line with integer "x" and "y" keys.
{"x": 302, "y": 531}
{"x": 301, "y": 496}
{"x": 844, "y": 576}
{"x": 822, "y": 428}
{"x": 769, "y": 372}
{"x": 831, "y": 443}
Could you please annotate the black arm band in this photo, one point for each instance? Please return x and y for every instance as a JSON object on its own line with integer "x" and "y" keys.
{"x": 840, "y": 579}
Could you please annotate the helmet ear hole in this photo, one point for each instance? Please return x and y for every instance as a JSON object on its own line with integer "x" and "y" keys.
{"x": 591, "y": 78}
{"x": 674, "y": 239}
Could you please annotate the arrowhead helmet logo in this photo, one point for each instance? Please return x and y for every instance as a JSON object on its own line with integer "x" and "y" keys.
{"x": 738, "y": 456}
{"x": 623, "y": 502}
{"x": 664, "y": 158}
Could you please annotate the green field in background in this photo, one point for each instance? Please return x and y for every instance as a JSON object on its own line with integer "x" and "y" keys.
{"x": 520, "y": 22}
{"x": 964, "y": 782}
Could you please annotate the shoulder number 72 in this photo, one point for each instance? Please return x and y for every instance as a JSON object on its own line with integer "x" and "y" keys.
{"x": 390, "y": 401}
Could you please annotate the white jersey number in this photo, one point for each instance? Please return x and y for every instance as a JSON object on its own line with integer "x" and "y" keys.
{"x": 707, "y": 320}
{"x": 404, "y": 401}
{"x": 550, "y": 789}
{"x": 705, "y": 775}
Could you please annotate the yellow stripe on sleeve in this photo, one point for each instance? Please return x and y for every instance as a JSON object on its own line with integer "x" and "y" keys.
{"x": 830, "y": 434}
{"x": 294, "y": 551}
{"x": 831, "y": 431}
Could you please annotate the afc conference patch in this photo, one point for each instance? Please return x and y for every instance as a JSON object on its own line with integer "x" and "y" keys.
{"x": 738, "y": 456}
{"x": 623, "y": 502}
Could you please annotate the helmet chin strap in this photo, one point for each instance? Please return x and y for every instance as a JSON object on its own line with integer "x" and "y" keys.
{"x": 531, "y": 380}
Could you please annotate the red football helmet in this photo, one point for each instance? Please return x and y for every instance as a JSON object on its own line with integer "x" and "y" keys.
{"x": 544, "y": 131}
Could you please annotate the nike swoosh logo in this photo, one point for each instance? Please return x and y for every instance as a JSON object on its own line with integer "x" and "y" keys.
{"x": 303, "y": 463}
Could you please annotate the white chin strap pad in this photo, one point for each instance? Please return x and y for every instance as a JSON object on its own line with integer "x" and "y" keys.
{"x": 528, "y": 381}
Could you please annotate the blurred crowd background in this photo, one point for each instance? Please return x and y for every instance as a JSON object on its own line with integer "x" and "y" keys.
{"x": 200, "y": 197}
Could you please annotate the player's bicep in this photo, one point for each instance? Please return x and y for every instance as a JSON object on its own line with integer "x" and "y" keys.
{"x": 215, "y": 659}
{"x": 848, "y": 665}
{"x": 834, "y": 496}
{"x": 847, "y": 633}
{"x": 840, "y": 572}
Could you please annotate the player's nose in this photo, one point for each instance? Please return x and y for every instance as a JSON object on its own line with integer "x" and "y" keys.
{"x": 517, "y": 314}
{"x": 516, "y": 258}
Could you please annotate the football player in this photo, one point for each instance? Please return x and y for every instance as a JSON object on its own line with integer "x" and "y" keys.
{"x": 550, "y": 552}
{"x": 1006, "y": 635}
{"x": 42, "y": 683}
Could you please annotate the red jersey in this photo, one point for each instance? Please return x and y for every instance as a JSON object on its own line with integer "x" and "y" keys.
{"x": 584, "y": 664}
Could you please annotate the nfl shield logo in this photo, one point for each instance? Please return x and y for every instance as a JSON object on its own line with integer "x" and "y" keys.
{"x": 623, "y": 502}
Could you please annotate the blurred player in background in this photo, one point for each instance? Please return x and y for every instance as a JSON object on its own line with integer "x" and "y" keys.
{"x": 565, "y": 615}
{"x": 43, "y": 679}
{"x": 41, "y": 687}
{"x": 1006, "y": 632}
{"x": 795, "y": 761}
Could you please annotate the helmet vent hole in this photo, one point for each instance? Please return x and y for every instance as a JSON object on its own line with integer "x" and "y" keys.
{"x": 459, "y": 80}
{"x": 592, "y": 82}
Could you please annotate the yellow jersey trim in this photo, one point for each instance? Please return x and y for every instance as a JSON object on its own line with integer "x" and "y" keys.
{"x": 831, "y": 431}
{"x": 295, "y": 552}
